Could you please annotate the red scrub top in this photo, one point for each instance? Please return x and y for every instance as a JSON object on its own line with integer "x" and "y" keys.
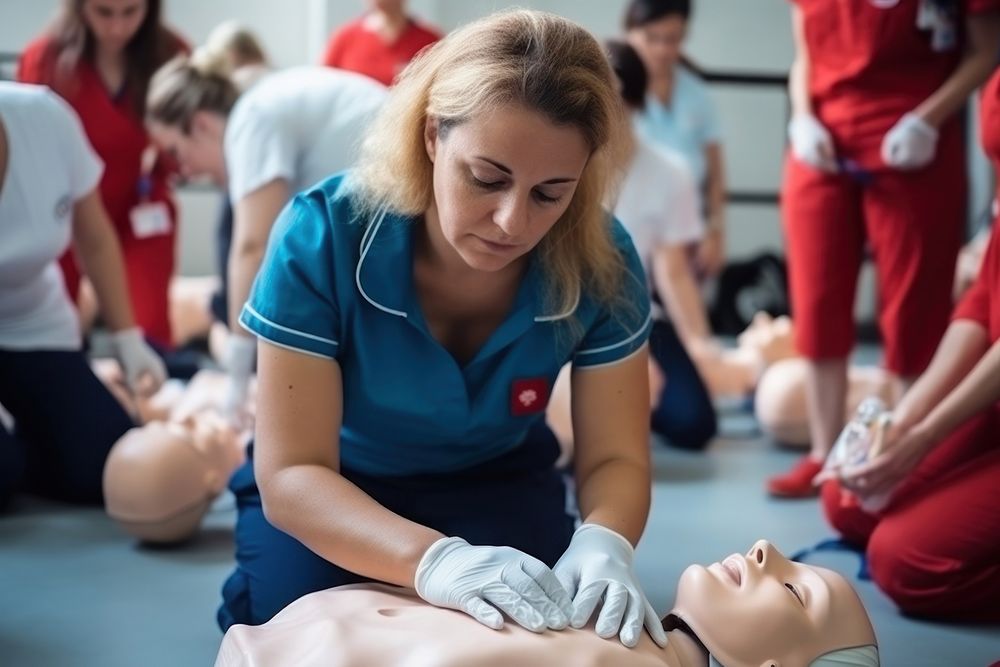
{"x": 982, "y": 302}
{"x": 870, "y": 63}
{"x": 353, "y": 47}
{"x": 117, "y": 133}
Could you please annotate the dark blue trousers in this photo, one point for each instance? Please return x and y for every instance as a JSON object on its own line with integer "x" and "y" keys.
{"x": 516, "y": 500}
{"x": 685, "y": 415}
{"x": 65, "y": 422}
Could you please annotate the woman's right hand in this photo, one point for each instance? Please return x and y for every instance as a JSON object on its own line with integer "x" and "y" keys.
{"x": 811, "y": 142}
{"x": 454, "y": 574}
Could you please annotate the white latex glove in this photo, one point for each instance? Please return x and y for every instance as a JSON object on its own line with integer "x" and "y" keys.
{"x": 811, "y": 142}
{"x": 239, "y": 360}
{"x": 143, "y": 367}
{"x": 910, "y": 144}
{"x": 598, "y": 565}
{"x": 454, "y": 574}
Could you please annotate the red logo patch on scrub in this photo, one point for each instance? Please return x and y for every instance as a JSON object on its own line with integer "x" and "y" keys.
{"x": 529, "y": 396}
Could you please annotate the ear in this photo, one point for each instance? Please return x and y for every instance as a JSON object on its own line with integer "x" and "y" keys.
{"x": 431, "y": 137}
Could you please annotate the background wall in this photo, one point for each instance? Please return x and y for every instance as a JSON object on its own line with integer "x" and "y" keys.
{"x": 731, "y": 35}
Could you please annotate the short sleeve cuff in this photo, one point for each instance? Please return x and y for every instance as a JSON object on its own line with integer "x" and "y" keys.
{"x": 614, "y": 352}
{"x": 287, "y": 337}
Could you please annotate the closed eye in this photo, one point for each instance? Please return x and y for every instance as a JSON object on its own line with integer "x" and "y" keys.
{"x": 544, "y": 198}
{"x": 795, "y": 592}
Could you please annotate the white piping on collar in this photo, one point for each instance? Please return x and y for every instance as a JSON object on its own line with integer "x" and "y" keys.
{"x": 561, "y": 316}
{"x": 366, "y": 243}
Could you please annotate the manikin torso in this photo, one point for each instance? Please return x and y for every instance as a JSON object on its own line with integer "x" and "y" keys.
{"x": 375, "y": 625}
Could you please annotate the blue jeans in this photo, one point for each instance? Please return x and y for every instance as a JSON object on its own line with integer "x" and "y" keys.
{"x": 516, "y": 500}
{"x": 65, "y": 422}
{"x": 685, "y": 415}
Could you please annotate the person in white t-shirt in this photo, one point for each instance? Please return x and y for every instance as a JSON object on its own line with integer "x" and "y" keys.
{"x": 658, "y": 204}
{"x": 64, "y": 421}
{"x": 289, "y": 131}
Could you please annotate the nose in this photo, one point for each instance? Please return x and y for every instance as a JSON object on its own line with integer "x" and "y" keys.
{"x": 511, "y": 215}
{"x": 761, "y": 552}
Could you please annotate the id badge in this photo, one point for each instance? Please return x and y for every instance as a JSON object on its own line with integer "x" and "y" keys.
{"x": 150, "y": 219}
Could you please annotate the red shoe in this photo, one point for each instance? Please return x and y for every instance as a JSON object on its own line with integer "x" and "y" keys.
{"x": 797, "y": 482}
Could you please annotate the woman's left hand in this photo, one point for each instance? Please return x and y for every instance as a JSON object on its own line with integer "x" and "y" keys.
{"x": 597, "y": 569}
{"x": 902, "y": 450}
{"x": 144, "y": 370}
{"x": 712, "y": 252}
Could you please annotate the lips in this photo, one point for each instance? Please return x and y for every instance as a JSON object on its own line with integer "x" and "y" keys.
{"x": 498, "y": 248}
{"x": 733, "y": 566}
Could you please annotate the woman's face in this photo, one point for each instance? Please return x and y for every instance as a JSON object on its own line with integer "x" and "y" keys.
{"x": 659, "y": 42}
{"x": 501, "y": 181}
{"x": 113, "y": 22}
{"x": 198, "y": 153}
{"x": 761, "y": 608}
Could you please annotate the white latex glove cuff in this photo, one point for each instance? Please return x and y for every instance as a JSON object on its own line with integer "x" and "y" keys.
{"x": 241, "y": 355}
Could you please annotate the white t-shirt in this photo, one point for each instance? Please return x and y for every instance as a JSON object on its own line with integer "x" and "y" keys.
{"x": 50, "y": 167}
{"x": 658, "y": 204}
{"x": 301, "y": 124}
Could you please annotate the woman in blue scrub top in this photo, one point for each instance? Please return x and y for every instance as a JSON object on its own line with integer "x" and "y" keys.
{"x": 413, "y": 315}
{"x": 679, "y": 113}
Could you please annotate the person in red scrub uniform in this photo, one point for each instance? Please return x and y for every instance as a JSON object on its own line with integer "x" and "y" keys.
{"x": 380, "y": 43}
{"x": 100, "y": 55}
{"x": 877, "y": 159}
{"x": 935, "y": 550}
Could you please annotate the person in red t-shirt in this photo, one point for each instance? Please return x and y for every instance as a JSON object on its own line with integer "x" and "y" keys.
{"x": 877, "y": 158}
{"x": 380, "y": 43}
{"x": 100, "y": 55}
{"x": 935, "y": 549}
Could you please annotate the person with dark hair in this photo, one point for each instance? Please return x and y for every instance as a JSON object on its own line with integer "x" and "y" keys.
{"x": 877, "y": 159}
{"x": 657, "y": 204}
{"x": 679, "y": 113}
{"x": 380, "y": 43}
{"x": 100, "y": 56}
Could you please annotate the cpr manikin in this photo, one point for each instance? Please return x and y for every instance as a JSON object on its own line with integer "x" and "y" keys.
{"x": 747, "y": 611}
{"x": 780, "y": 399}
{"x": 161, "y": 478}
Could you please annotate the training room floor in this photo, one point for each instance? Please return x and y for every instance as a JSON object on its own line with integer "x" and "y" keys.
{"x": 77, "y": 592}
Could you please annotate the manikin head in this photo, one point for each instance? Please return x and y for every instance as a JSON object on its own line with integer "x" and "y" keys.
{"x": 780, "y": 398}
{"x": 161, "y": 478}
{"x": 760, "y": 609}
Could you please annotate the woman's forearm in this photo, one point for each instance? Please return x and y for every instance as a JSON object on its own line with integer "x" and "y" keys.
{"x": 341, "y": 523}
{"x": 675, "y": 284}
{"x": 716, "y": 189}
{"x": 978, "y": 62}
{"x": 798, "y": 74}
{"x": 100, "y": 255}
{"x": 616, "y": 494}
{"x": 962, "y": 346}
{"x": 977, "y": 391}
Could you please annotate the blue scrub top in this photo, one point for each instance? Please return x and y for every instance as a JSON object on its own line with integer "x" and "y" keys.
{"x": 333, "y": 285}
{"x": 687, "y": 125}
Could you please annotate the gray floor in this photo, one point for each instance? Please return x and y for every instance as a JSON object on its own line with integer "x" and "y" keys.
{"x": 77, "y": 592}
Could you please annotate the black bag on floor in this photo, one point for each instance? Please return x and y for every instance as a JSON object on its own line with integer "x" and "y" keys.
{"x": 746, "y": 287}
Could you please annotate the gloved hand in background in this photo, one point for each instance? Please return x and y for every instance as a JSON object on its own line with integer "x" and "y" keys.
{"x": 598, "y": 565}
{"x": 812, "y": 143}
{"x": 144, "y": 369}
{"x": 240, "y": 358}
{"x": 481, "y": 579}
{"x": 910, "y": 144}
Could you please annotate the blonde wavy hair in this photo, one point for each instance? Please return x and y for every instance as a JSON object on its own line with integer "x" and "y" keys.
{"x": 546, "y": 63}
